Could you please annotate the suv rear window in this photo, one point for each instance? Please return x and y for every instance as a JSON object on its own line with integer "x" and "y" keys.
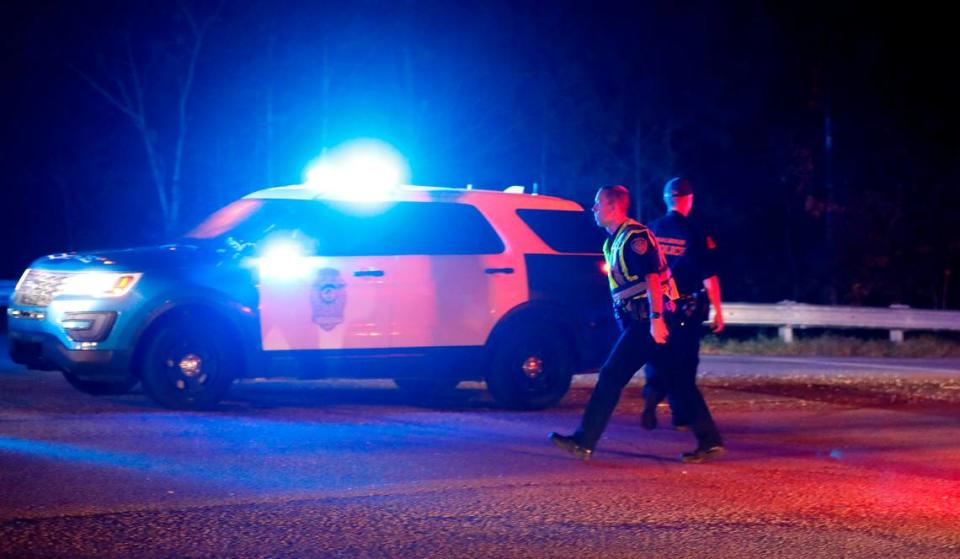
{"x": 565, "y": 231}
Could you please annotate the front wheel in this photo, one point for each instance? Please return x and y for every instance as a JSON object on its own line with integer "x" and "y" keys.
{"x": 186, "y": 365}
{"x": 530, "y": 369}
{"x": 101, "y": 388}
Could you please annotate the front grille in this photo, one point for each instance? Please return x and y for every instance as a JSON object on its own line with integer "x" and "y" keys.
{"x": 39, "y": 287}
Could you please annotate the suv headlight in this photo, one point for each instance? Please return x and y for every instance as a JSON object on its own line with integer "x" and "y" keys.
{"x": 99, "y": 284}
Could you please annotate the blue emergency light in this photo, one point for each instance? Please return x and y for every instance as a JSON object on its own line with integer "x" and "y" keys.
{"x": 365, "y": 170}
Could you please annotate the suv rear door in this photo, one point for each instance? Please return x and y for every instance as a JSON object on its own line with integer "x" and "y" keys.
{"x": 452, "y": 275}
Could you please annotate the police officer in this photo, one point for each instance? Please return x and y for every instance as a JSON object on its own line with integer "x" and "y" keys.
{"x": 690, "y": 253}
{"x": 642, "y": 288}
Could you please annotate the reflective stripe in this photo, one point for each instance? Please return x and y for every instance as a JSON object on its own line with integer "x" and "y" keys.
{"x": 630, "y": 292}
{"x": 623, "y": 261}
{"x": 670, "y": 290}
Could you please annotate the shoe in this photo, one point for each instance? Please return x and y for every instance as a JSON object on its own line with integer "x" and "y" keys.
{"x": 570, "y": 444}
{"x": 648, "y": 419}
{"x": 702, "y": 454}
{"x": 682, "y": 427}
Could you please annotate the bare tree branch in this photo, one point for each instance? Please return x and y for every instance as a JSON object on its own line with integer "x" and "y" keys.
{"x": 191, "y": 21}
{"x": 135, "y": 80}
{"x": 199, "y": 34}
{"x": 125, "y": 90}
{"x": 111, "y": 98}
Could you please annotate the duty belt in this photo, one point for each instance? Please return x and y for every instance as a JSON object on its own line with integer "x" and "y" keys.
{"x": 638, "y": 308}
{"x": 631, "y": 309}
{"x": 623, "y": 296}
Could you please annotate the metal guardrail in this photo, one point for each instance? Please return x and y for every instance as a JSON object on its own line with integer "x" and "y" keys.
{"x": 788, "y": 315}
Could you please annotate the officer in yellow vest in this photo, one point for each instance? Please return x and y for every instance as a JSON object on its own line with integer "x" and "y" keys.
{"x": 642, "y": 290}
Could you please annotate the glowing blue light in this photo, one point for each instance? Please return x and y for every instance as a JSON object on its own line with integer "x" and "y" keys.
{"x": 284, "y": 259}
{"x": 362, "y": 170}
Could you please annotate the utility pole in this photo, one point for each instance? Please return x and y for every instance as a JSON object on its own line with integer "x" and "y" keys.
{"x": 831, "y": 206}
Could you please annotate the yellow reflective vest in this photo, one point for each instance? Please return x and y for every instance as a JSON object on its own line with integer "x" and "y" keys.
{"x": 631, "y": 253}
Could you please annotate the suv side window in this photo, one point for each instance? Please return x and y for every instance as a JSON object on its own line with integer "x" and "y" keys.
{"x": 435, "y": 228}
{"x": 403, "y": 228}
{"x": 565, "y": 231}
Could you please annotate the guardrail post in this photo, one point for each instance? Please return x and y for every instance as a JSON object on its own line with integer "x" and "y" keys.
{"x": 896, "y": 336}
{"x": 786, "y": 334}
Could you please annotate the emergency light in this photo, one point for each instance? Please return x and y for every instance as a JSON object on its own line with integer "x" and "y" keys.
{"x": 364, "y": 170}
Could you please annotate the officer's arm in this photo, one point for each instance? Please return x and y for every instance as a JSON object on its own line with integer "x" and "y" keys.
{"x": 713, "y": 293}
{"x": 658, "y": 327}
{"x": 709, "y": 261}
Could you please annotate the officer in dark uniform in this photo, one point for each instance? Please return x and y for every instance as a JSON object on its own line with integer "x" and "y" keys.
{"x": 642, "y": 289}
{"x": 690, "y": 252}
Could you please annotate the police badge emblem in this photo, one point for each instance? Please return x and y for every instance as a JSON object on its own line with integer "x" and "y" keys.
{"x": 328, "y": 298}
{"x": 639, "y": 246}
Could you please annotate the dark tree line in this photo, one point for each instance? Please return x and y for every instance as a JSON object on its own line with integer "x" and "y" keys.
{"x": 127, "y": 122}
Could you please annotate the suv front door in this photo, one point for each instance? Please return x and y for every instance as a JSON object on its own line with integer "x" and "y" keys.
{"x": 336, "y": 296}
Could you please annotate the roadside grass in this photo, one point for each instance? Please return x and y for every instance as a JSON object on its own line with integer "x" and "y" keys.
{"x": 834, "y": 346}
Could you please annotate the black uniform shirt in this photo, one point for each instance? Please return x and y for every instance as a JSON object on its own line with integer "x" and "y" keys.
{"x": 690, "y": 252}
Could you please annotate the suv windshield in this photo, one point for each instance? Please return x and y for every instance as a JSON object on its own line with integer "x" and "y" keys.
{"x": 245, "y": 220}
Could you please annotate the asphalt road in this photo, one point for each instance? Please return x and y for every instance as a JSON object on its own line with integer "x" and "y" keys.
{"x": 827, "y": 458}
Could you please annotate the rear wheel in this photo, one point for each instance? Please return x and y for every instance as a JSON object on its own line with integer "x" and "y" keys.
{"x": 186, "y": 365}
{"x": 101, "y": 388}
{"x": 531, "y": 368}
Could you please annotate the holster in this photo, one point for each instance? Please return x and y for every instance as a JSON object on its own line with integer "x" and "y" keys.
{"x": 638, "y": 310}
{"x": 693, "y": 308}
{"x": 631, "y": 311}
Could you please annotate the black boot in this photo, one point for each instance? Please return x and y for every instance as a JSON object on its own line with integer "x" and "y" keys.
{"x": 571, "y": 445}
{"x": 702, "y": 454}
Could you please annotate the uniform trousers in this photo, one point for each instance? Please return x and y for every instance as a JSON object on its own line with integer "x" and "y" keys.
{"x": 675, "y": 371}
{"x": 632, "y": 350}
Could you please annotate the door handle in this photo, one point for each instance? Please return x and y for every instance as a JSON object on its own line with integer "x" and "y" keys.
{"x": 368, "y": 273}
{"x": 498, "y": 271}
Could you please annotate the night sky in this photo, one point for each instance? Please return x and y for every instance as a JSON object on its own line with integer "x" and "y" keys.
{"x": 739, "y": 96}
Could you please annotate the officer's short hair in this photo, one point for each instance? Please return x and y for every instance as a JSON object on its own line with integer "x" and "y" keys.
{"x": 677, "y": 187}
{"x": 618, "y": 193}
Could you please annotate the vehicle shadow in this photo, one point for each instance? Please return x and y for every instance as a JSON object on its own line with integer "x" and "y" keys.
{"x": 323, "y": 394}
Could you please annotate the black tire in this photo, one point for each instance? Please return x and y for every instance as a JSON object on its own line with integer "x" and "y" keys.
{"x": 187, "y": 364}
{"x": 426, "y": 387}
{"x": 101, "y": 388}
{"x": 531, "y": 368}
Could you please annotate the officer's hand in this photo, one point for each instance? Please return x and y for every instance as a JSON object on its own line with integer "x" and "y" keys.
{"x": 717, "y": 325}
{"x": 658, "y": 330}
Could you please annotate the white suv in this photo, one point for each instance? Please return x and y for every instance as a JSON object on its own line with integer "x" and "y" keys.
{"x": 427, "y": 286}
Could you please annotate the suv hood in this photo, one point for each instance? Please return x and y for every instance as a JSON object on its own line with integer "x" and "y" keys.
{"x": 126, "y": 260}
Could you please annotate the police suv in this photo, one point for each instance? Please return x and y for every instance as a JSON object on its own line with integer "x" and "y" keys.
{"x": 426, "y": 286}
